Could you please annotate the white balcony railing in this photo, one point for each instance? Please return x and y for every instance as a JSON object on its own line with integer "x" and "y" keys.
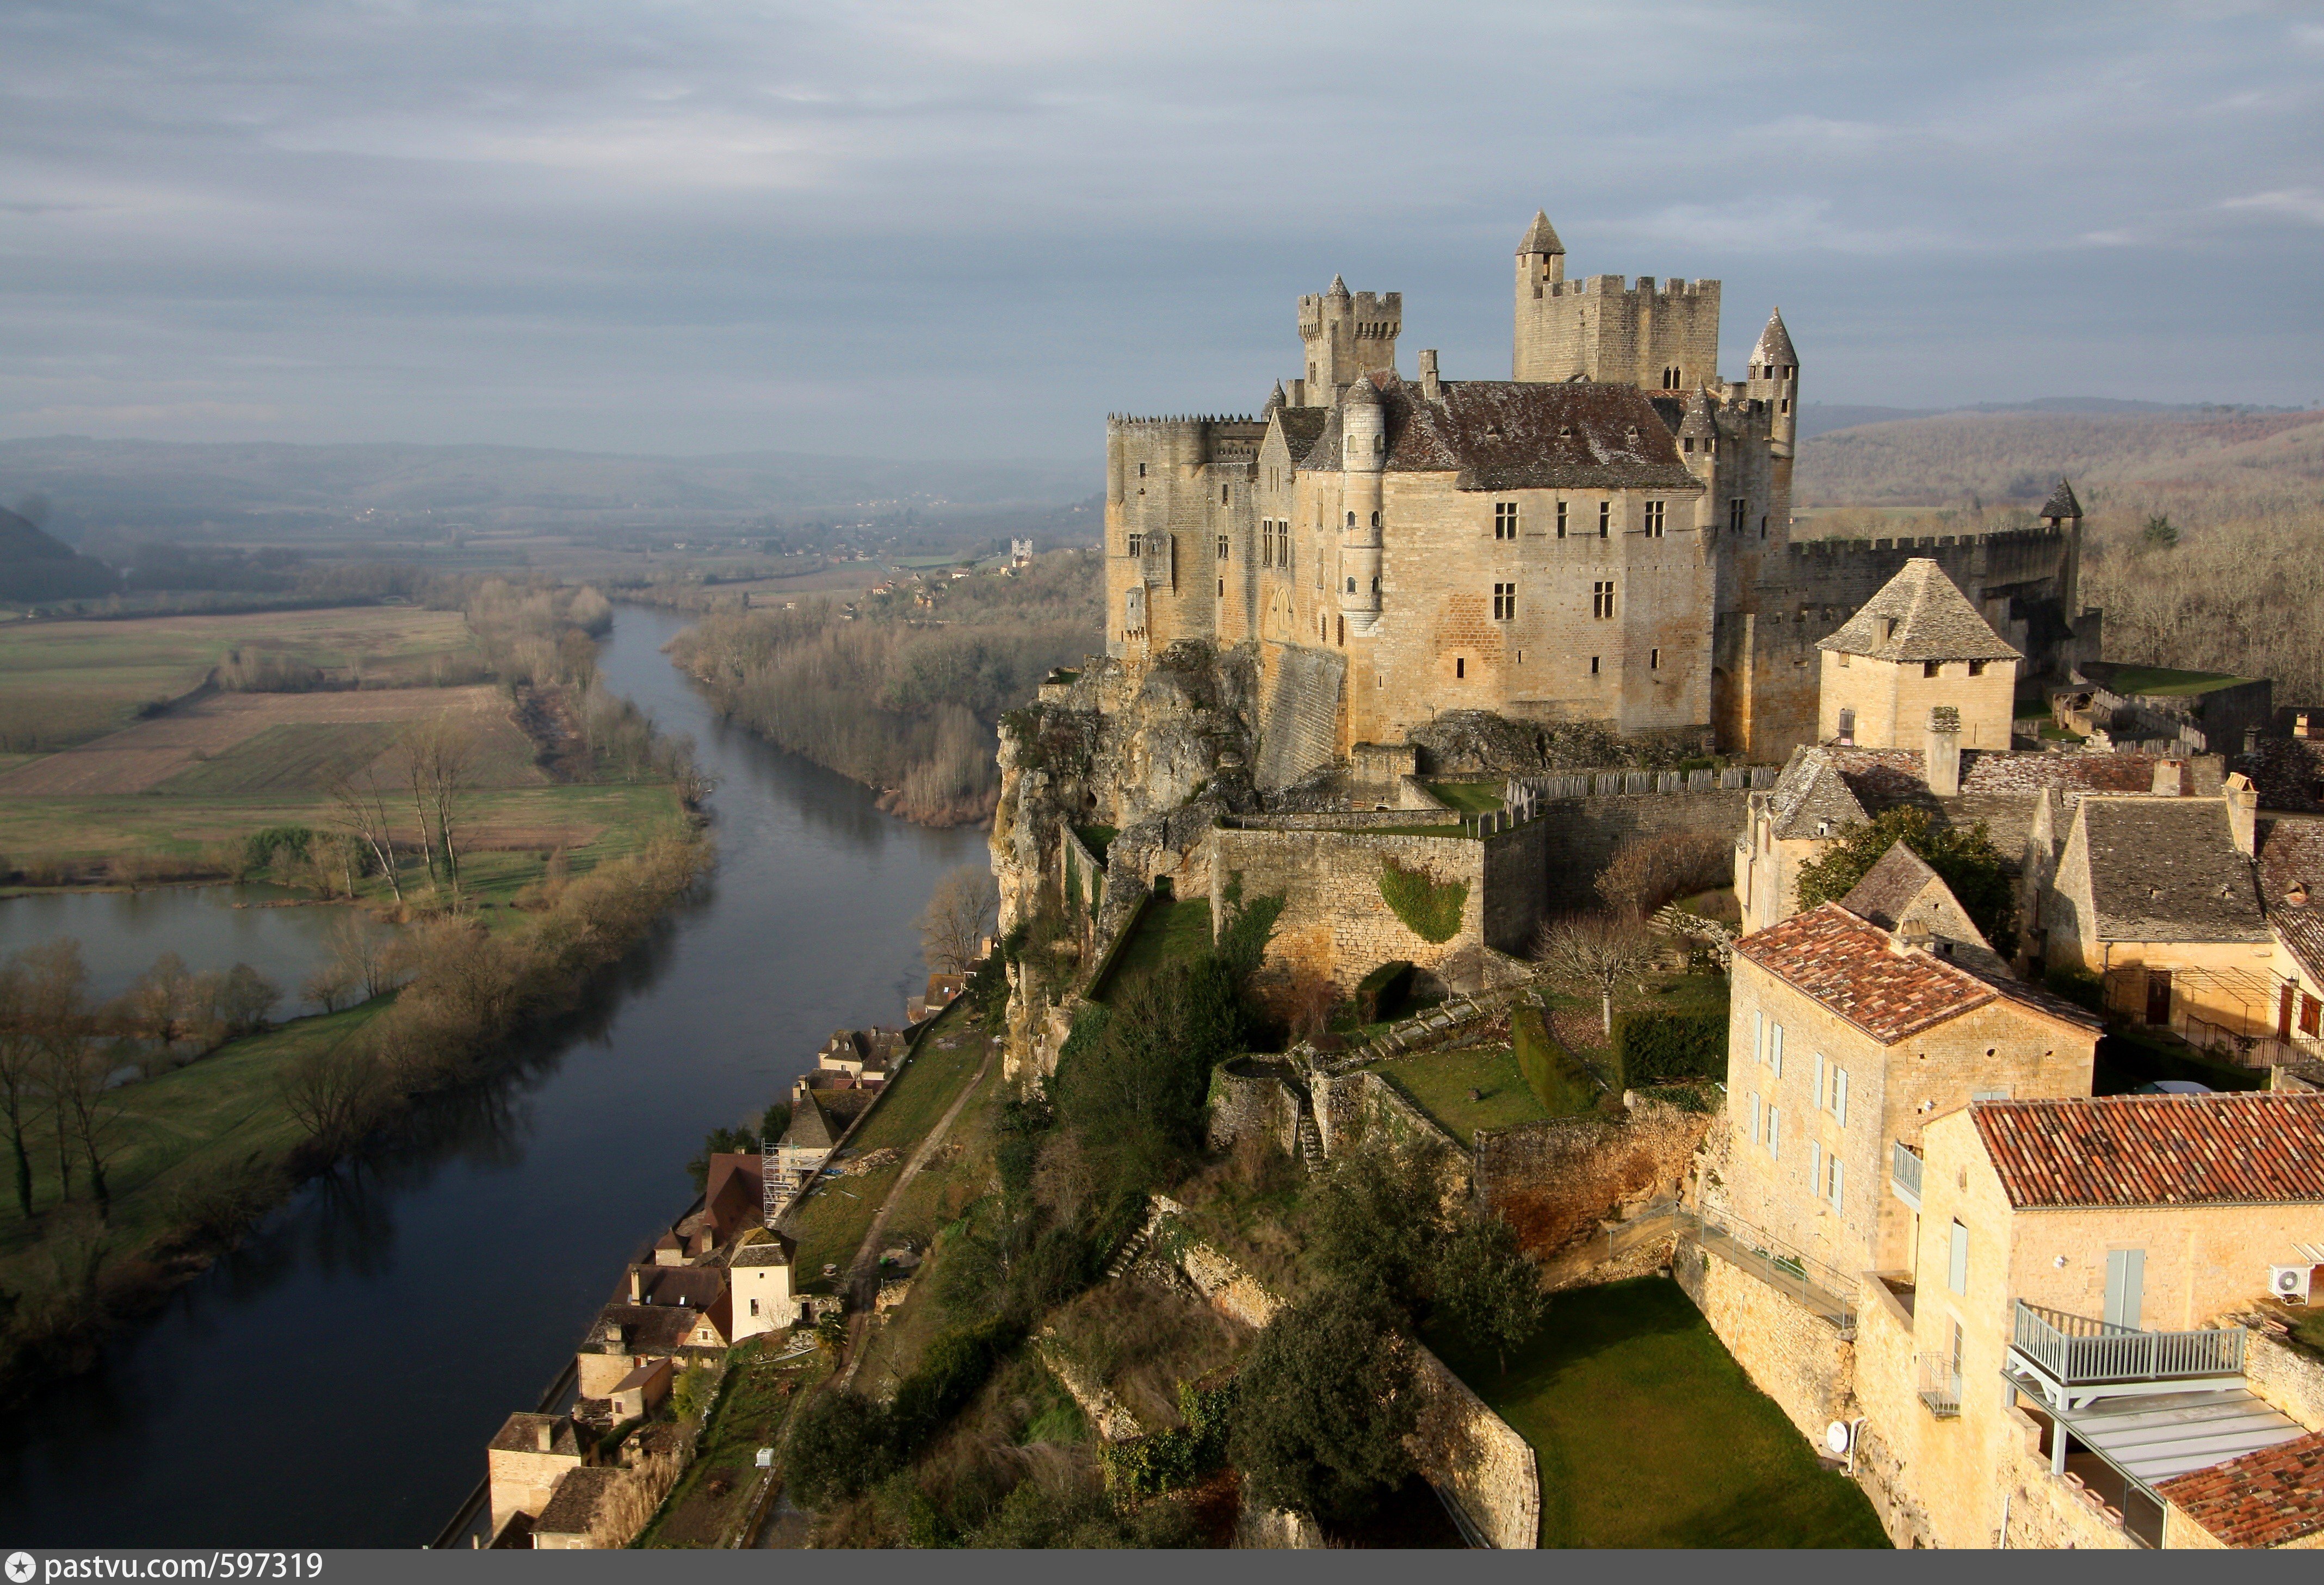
{"x": 2073, "y": 1350}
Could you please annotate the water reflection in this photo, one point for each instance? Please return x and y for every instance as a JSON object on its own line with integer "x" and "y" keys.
{"x": 333, "y": 1382}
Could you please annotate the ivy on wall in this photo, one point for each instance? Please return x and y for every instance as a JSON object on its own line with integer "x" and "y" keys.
{"x": 1429, "y": 907}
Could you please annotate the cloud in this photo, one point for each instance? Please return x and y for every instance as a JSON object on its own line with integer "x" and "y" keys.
{"x": 2299, "y": 203}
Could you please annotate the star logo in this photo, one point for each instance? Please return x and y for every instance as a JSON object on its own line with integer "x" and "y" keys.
{"x": 20, "y": 1567}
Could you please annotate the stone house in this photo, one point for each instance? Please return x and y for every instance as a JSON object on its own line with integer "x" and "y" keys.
{"x": 2058, "y": 1340}
{"x": 809, "y": 1140}
{"x": 642, "y": 1390}
{"x": 664, "y": 1312}
{"x": 762, "y": 1277}
{"x": 525, "y": 1460}
{"x": 1844, "y": 1040}
{"x": 572, "y": 1513}
{"x": 2292, "y": 893}
{"x": 2158, "y": 897}
{"x": 1917, "y": 647}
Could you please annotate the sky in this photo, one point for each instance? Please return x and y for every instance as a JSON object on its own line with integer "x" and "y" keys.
{"x": 955, "y": 229}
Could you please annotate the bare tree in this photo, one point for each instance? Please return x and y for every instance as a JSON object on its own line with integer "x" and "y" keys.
{"x": 1597, "y": 950}
{"x": 334, "y": 1094}
{"x": 361, "y": 956}
{"x": 20, "y": 1052}
{"x": 53, "y": 1012}
{"x": 442, "y": 754}
{"x": 959, "y": 914}
{"x": 360, "y": 810}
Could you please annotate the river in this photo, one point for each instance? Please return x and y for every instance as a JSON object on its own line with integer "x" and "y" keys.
{"x": 334, "y": 1383}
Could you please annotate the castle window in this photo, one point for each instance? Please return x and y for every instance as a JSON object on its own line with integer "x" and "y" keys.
{"x": 1343, "y": 632}
{"x": 1593, "y": 666}
{"x": 1141, "y": 470}
{"x": 1222, "y": 588}
{"x": 1653, "y": 660}
{"x": 1223, "y": 494}
{"x": 1738, "y": 510}
{"x": 1605, "y": 519}
{"x": 1560, "y": 519}
{"x": 1351, "y": 585}
{"x": 1460, "y": 666}
{"x": 1931, "y": 668}
{"x": 1376, "y": 520}
{"x": 1223, "y": 547}
{"x": 1505, "y": 519}
{"x": 1601, "y": 599}
{"x": 1376, "y": 587}
{"x": 1138, "y": 544}
{"x": 1654, "y": 519}
{"x": 1505, "y": 602}
{"x": 1977, "y": 668}
{"x": 1847, "y": 726}
{"x": 1351, "y": 520}
{"x": 1690, "y": 442}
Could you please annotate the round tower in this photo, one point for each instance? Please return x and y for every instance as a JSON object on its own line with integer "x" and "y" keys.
{"x": 1363, "y": 454}
{"x": 1775, "y": 379}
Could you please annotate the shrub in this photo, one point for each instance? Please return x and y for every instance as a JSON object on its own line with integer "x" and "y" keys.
{"x": 1175, "y": 1458}
{"x": 1648, "y": 871}
{"x": 1656, "y": 1048}
{"x": 1322, "y": 1407}
{"x": 838, "y": 1445}
{"x": 1383, "y": 992}
{"x": 1429, "y": 907}
{"x": 1966, "y": 859}
{"x": 1557, "y": 1081}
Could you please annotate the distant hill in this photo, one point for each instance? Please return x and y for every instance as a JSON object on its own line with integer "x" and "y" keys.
{"x": 2239, "y": 458}
{"x": 36, "y": 566}
{"x": 140, "y": 487}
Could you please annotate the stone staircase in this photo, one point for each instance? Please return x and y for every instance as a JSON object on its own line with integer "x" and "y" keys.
{"x": 1311, "y": 1142}
{"x": 1425, "y": 1029}
{"x": 1136, "y": 1244}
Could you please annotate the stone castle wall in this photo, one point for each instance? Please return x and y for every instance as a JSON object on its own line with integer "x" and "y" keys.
{"x": 1579, "y": 835}
{"x": 1792, "y": 1354}
{"x": 1335, "y": 921}
{"x": 1552, "y": 1181}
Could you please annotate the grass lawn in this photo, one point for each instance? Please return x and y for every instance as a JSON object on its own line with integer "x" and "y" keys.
{"x": 1650, "y": 1435}
{"x": 1169, "y": 932}
{"x": 209, "y": 1114}
{"x": 755, "y": 1400}
{"x": 1471, "y": 797}
{"x": 1441, "y": 1081}
{"x": 832, "y": 1223}
{"x": 2161, "y": 680}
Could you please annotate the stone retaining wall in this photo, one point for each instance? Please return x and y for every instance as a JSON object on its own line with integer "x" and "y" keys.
{"x": 1552, "y": 1181}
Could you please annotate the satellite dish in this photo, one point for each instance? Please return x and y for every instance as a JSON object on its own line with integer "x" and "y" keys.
{"x": 1836, "y": 1437}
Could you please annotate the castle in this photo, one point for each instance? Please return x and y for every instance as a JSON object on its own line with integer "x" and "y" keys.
{"x": 1603, "y": 538}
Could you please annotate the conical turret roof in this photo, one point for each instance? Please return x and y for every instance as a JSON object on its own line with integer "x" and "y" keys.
{"x": 1362, "y": 394}
{"x": 1339, "y": 289}
{"x": 1541, "y": 236}
{"x": 1697, "y": 424}
{"x": 1775, "y": 343}
{"x": 1276, "y": 400}
{"x": 1919, "y": 614}
{"x": 2061, "y": 502}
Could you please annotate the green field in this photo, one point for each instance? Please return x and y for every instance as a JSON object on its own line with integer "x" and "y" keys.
{"x": 1650, "y": 1435}
{"x": 754, "y": 1401}
{"x": 1440, "y": 1080}
{"x": 1167, "y": 932}
{"x": 2164, "y": 682}
{"x": 210, "y": 1115}
{"x": 63, "y": 683}
{"x": 298, "y": 758}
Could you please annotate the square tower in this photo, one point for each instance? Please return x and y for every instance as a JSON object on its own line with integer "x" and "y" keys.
{"x": 1916, "y": 647}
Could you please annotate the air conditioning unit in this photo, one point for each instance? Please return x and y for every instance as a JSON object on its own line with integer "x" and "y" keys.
{"x": 2290, "y": 1284}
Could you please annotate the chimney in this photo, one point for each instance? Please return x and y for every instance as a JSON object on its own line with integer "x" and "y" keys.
{"x": 1908, "y": 936}
{"x": 637, "y": 1286}
{"x": 2169, "y": 779}
{"x": 548, "y": 1436}
{"x": 2243, "y": 810}
{"x": 1430, "y": 387}
{"x": 1942, "y": 755}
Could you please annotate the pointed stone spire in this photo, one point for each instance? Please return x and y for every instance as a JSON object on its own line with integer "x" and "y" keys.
{"x": 1541, "y": 237}
{"x": 1276, "y": 402}
{"x": 1774, "y": 345}
{"x": 1697, "y": 424}
{"x": 1338, "y": 290}
{"x": 1363, "y": 392}
{"x": 2061, "y": 506}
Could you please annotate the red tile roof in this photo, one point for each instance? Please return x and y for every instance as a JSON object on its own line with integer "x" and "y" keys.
{"x": 2265, "y": 1499}
{"x": 1850, "y": 966}
{"x": 2247, "y": 1149}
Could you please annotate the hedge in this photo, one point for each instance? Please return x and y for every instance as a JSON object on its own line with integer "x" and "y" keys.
{"x": 1562, "y": 1085}
{"x": 1658, "y": 1047}
{"x": 1384, "y": 991}
{"x": 1429, "y": 907}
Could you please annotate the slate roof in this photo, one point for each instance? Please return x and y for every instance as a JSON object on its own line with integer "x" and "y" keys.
{"x": 573, "y": 1506}
{"x": 2292, "y": 856}
{"x": 1541, "y": 236}
{"x": 1999, "y": 787}
{"x": 809, "y": 1129}
{"x": 2252, "y": 1148}
{"x": 698, "y": 1286}
{"x": 2288, "y": 772}
{"x": 2263, "y": 1499}
{"x": 1512, "y": 434}
{"x": 1814, "y": 798}
{"x": 1302, "y": 426}
{"x": 1889, "y": 888}
{"x": 773, "y": 1250}
{"x": 2061, "y": 502}
{"x": 646, "y": 1328}
{"x": 1775, "y": 343}
{"x": 520, "y": 1433}
{"x": 1932, "y": 620}
{"x": 2168, "y": 870}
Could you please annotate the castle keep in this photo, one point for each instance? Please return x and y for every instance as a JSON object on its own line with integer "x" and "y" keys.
{"x": 1604, "y": 538}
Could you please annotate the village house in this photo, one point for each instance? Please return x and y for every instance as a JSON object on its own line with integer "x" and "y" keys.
{"x": 1846, "y": 1036}
{"x": 1918, "y": 646}
{"x": 524, "y": 1462}
{"x": 2064, "y": 1344}
{"x": 662, "y": 1313}
{"x": 761, "y": 1278}
{"x": 938, "y": 994}
{"x": 867, "y": 1056}
{"x": 2292, "y": 892}
{"x": 574, "y": 1511}
{"x": 2157, "y": 897}
{"x": 807, "y": 1141}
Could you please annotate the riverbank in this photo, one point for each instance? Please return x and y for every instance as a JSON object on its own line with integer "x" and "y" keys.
{"x": 201, "y": 1154}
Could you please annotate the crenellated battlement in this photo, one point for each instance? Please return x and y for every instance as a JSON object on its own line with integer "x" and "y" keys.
{"x": 1827, "y": 548}
{"x": 1618, "y": 286}
{"x": 1132, "y": 420}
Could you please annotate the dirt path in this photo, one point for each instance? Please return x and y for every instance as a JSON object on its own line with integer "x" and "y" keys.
{"x": 864, "y": 1271}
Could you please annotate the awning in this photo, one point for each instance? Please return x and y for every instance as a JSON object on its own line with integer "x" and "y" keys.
{"x": 2152, "y": 1438}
